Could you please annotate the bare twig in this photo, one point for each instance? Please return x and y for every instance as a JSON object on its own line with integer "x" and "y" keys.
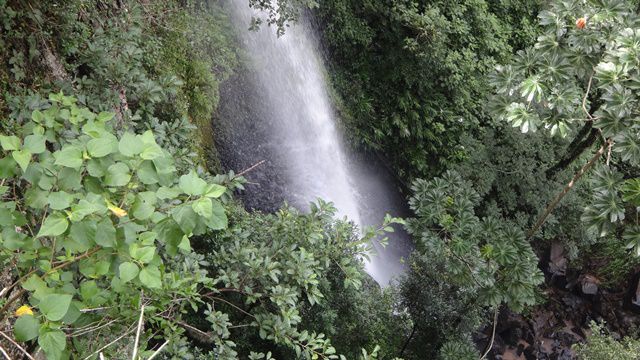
{"x": 251, "y": 168}
{"x": 25, "y": 352}
{"x": 135, "y": 344}
{"x": 158, "y": 351}
{"x": 187, "y": 326}
{"x": 566, "y": 189}
{"x": 584, "y": 99}
{"x": 129, "y": 331}
{"x": 493, "y": 333}
{"x": 4, "y": 353}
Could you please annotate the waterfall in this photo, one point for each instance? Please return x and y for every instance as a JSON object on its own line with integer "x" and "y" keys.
{"x": 292, "y": 122}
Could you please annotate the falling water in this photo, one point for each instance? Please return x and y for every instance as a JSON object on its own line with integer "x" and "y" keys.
{"x": 298, "y": 131}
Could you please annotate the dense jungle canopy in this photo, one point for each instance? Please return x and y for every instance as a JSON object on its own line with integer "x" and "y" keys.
{"x": 511, "y": 128}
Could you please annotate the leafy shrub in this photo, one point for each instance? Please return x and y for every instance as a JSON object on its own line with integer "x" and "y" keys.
{"x": 602, "y": 346}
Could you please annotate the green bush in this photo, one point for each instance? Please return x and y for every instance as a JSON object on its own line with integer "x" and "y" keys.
{"x": 601, "y": 345}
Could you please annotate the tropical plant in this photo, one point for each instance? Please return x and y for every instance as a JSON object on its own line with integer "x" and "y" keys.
{"x": 582, "y": 77}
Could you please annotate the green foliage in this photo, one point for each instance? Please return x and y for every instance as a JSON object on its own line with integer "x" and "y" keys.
{"x": 444, "y": 315}
{"x": 577, "y": 75}
{"x": 269, "y": 271}
{"x": 602, "y": 346}
{"x": 82, "y": 172}
{"x": 279, "y": 13}
{"x": 417, "y": 83}
{"x": 358, "y": 318}
{"x": 489, "y": 255}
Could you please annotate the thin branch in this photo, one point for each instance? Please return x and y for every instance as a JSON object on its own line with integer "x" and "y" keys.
{"x": 250, "y": 168}
{"x": 584, "y": 99}
{"x": 4, "y": 352}
{"x": 187, "y": 326}
{"x": 566, "y": 189}
{"x": 233, "y": 305}
{"x": 25, "y": 352}
{"x": 135, "y": 344}
{"x": 129, "y": 331}
{"x": 158, "y": 351}
{"x": 493, "y": 333}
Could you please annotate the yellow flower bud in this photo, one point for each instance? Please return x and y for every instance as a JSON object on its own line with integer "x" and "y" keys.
{"x": 24, "y": 310}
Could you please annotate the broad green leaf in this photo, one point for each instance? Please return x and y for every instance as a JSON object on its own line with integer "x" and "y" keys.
{"x": 192, "y": 184}
{"x": 7, "y": 167}
{"x": 147, "y": 173}
{"x": 128, "y": 271}
{"x": 214, "y": 190}
{"x": 54, "y": 225}
{"x": 203, "y": 207}
{"x": 185, "y": 217}
{"x": 22, "y": 157}
{"x": 26, "y": 328}
{"x": 105, "y": 116}
{"x": 219, "y": 219}
{"x": 143, "y": 208}
{"x": 35, "y": 144}
{"x": 102, "y": 146}
{"x": 81, "y": 236}
{"x": 55, "y": 306}
{"x": 60, "y": 200}
{"x": 10, "y": 142}
{"x": 150, "y": 276}
{"x": 143, "y": 254}
{"x": 106, "y": 234}
{"x": 37, "y": 116}
{"x": 168, "y": 193}
{"x": 130, "y": 145}
{"x": 52, "y": 341}
{"x": 70, "y": 156}
{"x": 85, "y": 207}
{"x": 117, "y": 175}
{"x": 72, "y": 314}
{"x": 151, "y": 151}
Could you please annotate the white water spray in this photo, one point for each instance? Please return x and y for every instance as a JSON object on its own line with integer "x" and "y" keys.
{"x": 290, "y": 72}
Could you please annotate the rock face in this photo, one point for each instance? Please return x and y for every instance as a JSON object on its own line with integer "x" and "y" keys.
{"x": 589, "y": 285}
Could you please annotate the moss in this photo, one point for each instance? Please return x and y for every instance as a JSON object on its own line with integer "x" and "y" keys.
{"x": 198, "y": 48}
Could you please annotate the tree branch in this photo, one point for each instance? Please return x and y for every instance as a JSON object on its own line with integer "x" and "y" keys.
{"x": 566, "y": 189}
{"x": 25, "y": 352}
{"x": 576, "y": 148}
{"x": 493, "y": 333}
